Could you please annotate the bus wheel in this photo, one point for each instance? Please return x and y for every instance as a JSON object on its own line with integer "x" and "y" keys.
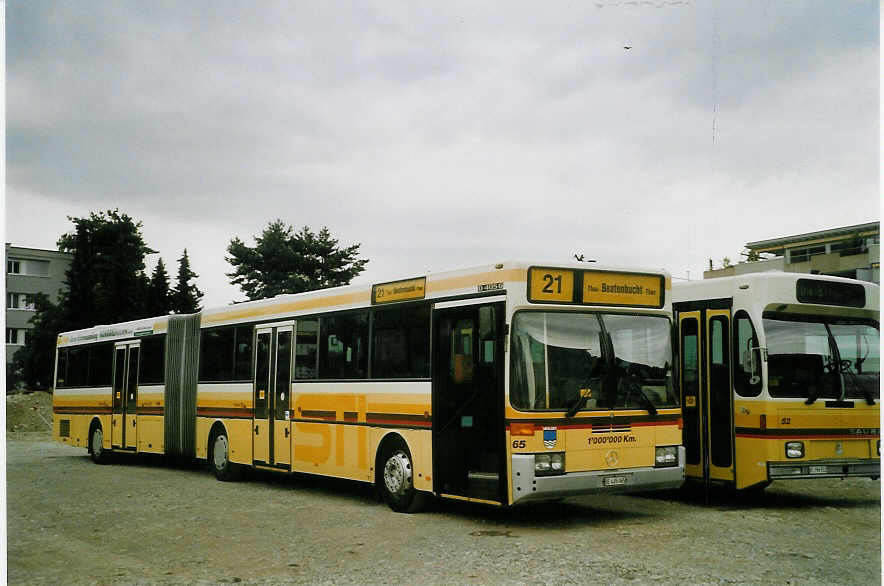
{"x": 96, "y": 445}
{"x": 223, "y": 468}
{"x": 397, "y": 480}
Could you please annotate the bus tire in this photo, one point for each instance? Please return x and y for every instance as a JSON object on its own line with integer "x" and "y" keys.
{"x": 396, "y": 481}
{"x": 219, "y": 458}
{"x": 96, "y": 445}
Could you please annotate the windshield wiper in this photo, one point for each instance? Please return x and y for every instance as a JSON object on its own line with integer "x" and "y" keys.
{"x": 580, "y": 402}
{"x": 649, "y": 405}
{"x": 632, "y": 384}
{"x": 854, "y": 378}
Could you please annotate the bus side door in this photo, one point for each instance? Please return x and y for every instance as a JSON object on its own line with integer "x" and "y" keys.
{"x": 719, "y": 394}
{"x": 271, "y": 429}
{"x": 124, "y": 433}
{"x": 707, "y": 393}
{"x": 468, "y": 432}
{"x": 691, "y": 398}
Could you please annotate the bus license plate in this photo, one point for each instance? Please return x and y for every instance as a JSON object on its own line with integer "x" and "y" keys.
{"x": 818, "y": 470}
{"x": 613, "y": 481}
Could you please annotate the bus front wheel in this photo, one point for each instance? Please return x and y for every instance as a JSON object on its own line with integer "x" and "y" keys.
{"x": 396, "y": 480}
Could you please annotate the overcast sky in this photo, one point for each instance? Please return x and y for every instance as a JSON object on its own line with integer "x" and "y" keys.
{"x": 442, "y": 135}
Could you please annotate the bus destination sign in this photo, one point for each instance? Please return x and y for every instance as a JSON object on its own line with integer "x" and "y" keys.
{"x": 639, "y": 290}
{"x": 399, "y": 291}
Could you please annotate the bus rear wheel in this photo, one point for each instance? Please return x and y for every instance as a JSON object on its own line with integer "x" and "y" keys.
{"x": 396, "y": 480}
{"x": 219, "y": 459}
{"x": 96, "y": 445}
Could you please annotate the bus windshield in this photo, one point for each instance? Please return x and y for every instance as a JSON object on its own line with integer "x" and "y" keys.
{"x": 813, "y": 357}
{"x": 562, "y": 361}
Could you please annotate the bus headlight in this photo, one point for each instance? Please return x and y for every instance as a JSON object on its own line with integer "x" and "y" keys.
{"x": 549, "y": 464}
{"x": 665, "y": 456}
{"x": 794, "y": 449}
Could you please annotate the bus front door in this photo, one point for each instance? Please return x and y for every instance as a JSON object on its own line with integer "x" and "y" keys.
{"x": 719, "y": 394}
{"x": 124, "y": 431}
{"x": 271, "y": 432}
{"x": 706, "y": 393}
{"x": 468, "y": 436}
{"x": 691, "y": 399}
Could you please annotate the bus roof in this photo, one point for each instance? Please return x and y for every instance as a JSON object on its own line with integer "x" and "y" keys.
{"x": 770, "y": 286}
{"x": 467, "y": 281}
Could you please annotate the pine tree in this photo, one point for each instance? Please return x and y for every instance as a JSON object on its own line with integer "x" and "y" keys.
{"x": 159, "y": 297}
{"x": 283, "y": 261}
{"x": 106, "y": 282}
{"x": 186, "y": 296}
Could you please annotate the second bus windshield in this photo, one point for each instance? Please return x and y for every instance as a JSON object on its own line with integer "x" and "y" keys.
{"x": 612, "y": 360}
{"x": 811, "y": 357}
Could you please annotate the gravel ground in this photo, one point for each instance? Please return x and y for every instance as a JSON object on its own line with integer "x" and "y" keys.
{"x": 139, "y": 520}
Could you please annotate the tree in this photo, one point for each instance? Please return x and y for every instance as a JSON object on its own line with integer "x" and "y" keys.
{"x": 186, "y": 296}
{"x": 285, "y": 261}
{"x": 752, "y": 256}
{"x": 106, "y": 282}
{"x": 159, "y": 297}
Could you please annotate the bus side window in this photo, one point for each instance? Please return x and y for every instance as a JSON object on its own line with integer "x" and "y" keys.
{"x": 307, "y": 349}
{"x": 745, "y": 353}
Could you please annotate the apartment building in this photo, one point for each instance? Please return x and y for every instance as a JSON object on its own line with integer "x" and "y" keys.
{"x": 29, "y": 271}
{"x": 848, "y": 251}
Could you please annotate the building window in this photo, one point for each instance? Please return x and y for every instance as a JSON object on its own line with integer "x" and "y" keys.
{"x": 804, "y": 254}
{"x": 17, "y": 336}
{"x": 36, "y": 268}
{"x": 20, "y": 301}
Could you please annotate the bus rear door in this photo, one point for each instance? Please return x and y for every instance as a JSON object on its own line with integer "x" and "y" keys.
{"x": 124, "y": 433}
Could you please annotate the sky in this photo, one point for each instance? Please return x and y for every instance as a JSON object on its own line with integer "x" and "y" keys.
{"x": 642, "y": 133}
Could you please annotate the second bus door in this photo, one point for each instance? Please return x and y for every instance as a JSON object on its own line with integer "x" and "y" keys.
{"x": 271, "y": 429}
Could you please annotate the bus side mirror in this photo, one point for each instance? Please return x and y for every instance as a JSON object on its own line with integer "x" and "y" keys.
{"x": 755, "y": 355}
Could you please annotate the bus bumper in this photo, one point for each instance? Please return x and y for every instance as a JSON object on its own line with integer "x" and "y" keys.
{"x": 823, "y": 469}
{"x": 527, "y": 487}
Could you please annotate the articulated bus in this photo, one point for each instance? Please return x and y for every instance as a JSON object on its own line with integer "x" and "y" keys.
{"x": 499, "y": 384}
{"x": 779, "y": 376}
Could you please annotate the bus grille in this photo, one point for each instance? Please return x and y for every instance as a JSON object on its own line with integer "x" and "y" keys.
{"x": 64, "y": 428}
{"x": 612, "y": 428}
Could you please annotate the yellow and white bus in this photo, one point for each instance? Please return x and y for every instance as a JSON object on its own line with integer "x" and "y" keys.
{"x": 498, "y": 384}
{"x": 779, "y": 377}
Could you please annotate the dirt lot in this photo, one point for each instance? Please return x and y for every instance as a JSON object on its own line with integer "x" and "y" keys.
{"x": 142, "y": 521}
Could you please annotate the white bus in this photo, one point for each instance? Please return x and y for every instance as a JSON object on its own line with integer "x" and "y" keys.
{"x": 780, "y": 377}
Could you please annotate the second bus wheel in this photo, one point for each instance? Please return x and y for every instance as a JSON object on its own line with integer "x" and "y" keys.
{"x": 396, "y": 479}
{"x": 96, "y": 445}
{"x": 219, "y": 458}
